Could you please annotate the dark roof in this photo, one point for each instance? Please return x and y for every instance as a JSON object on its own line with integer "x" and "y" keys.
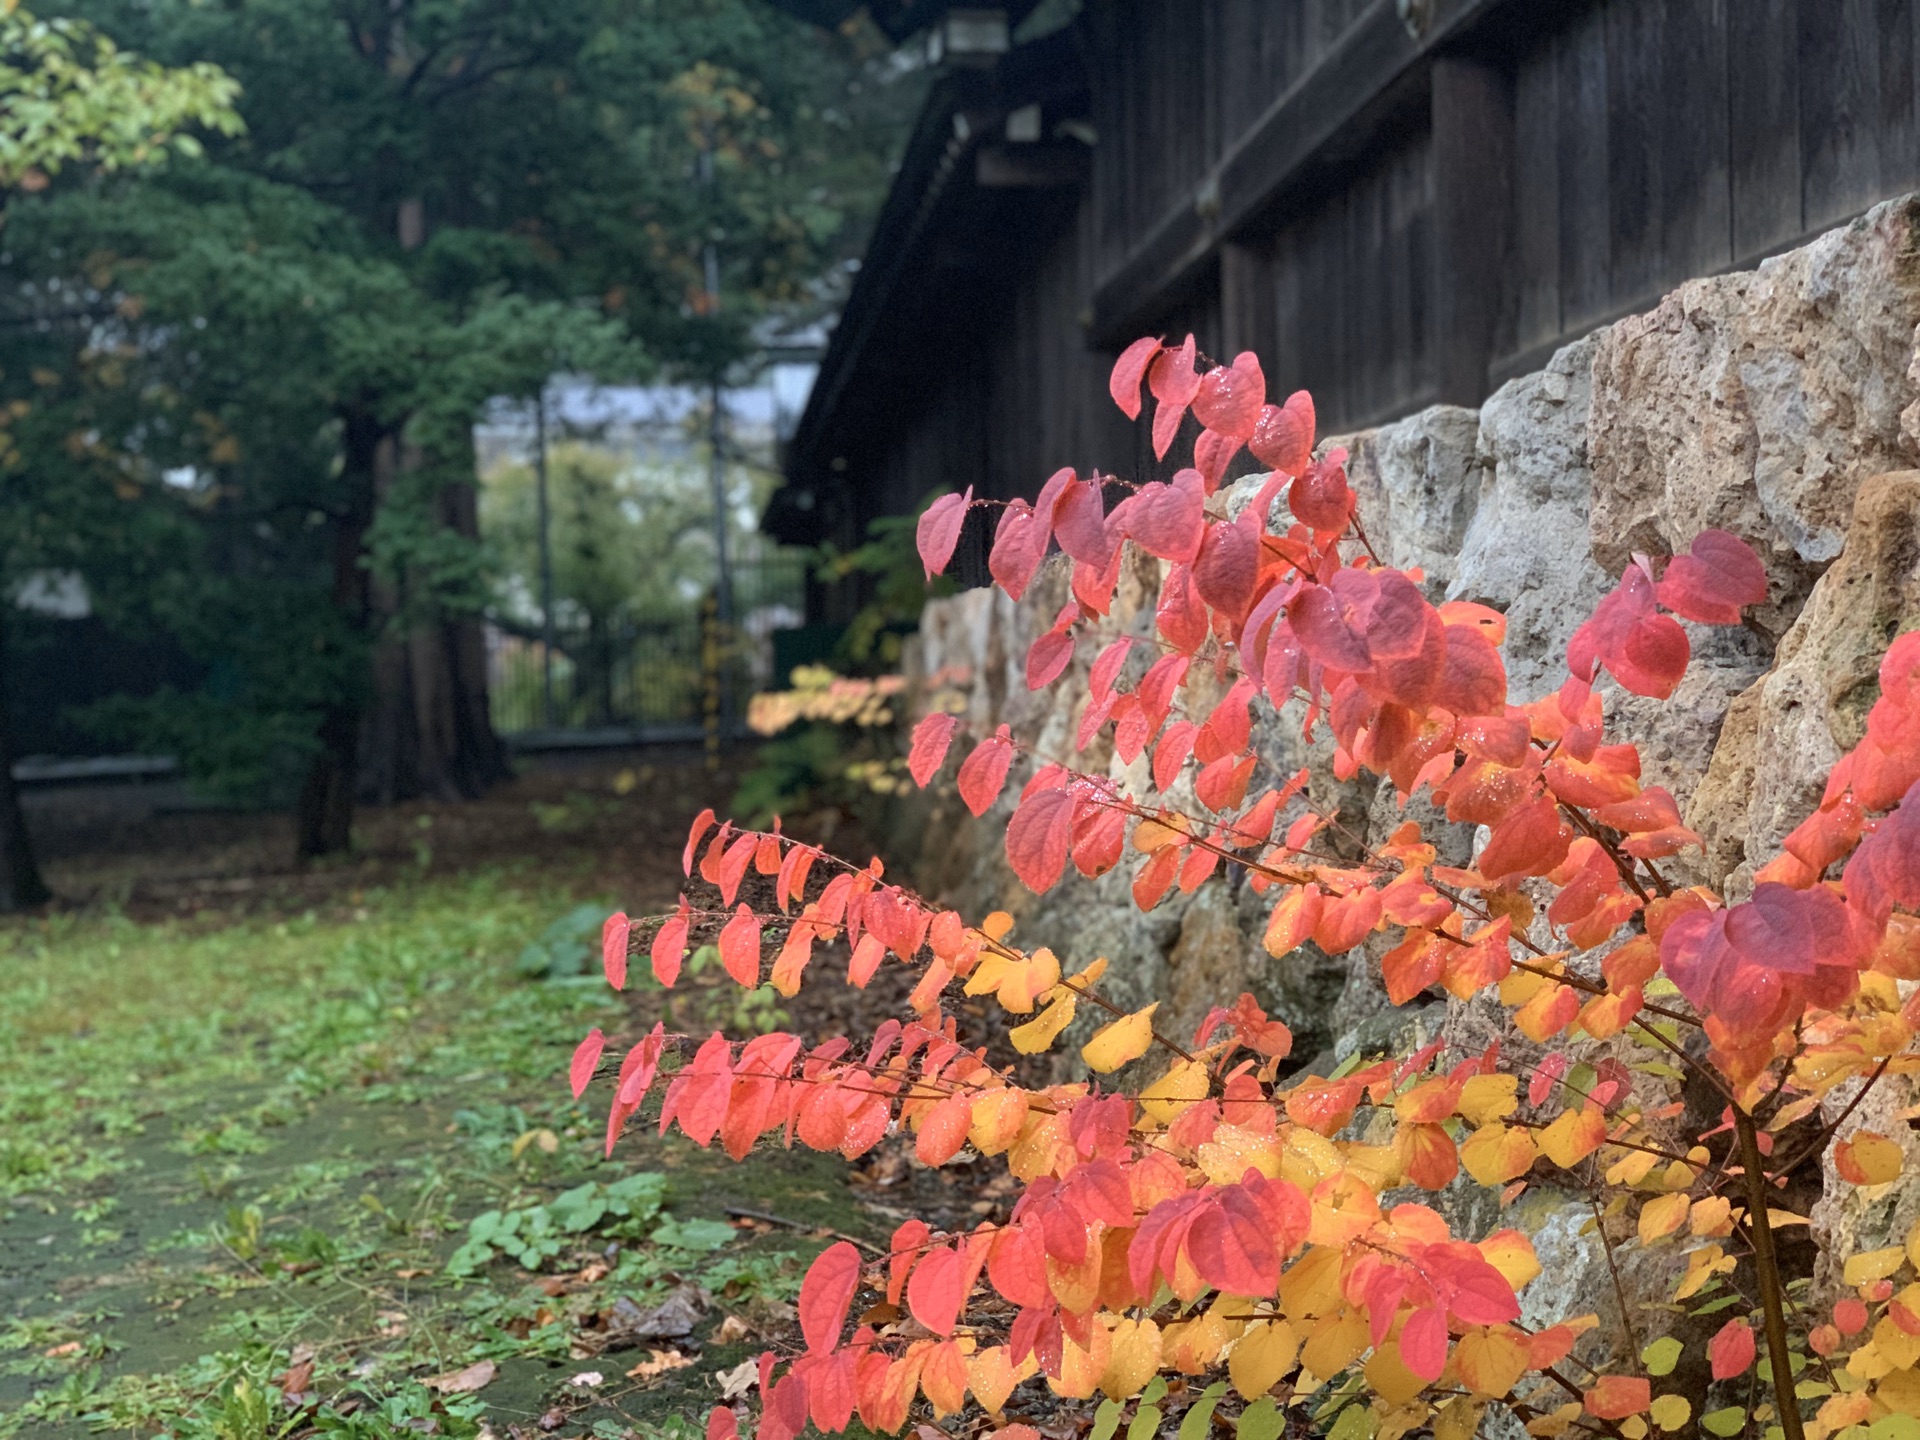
{"x": 960, "y": 222}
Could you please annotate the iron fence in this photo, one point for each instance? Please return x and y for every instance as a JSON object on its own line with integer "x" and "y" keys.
{"x": 654, "y": 672}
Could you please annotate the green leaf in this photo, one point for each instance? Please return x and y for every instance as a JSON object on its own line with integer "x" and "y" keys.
{"x": 1355, "y": 1423}
{"x": 1262, "y": 1420}
{"x": 694, "y": 1234}
{"x": 1156, "y": 1387}
{"x": 1194, "y": 1424}
{"x": 1894, "y": 1427}
{"x": 1106, "y": 1420}
{"x": 1146, "y": 1423}
{"x": 1730, "y": 1421}
{"x": 1662, "y": 1355}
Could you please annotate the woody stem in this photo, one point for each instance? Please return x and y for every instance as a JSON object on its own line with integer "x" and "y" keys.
{"x": 1767, "y": 1264}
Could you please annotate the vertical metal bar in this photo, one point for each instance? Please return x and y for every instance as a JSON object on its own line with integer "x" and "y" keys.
{"x": 546, "y": 555}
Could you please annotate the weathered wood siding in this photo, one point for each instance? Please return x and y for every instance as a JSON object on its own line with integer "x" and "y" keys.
{"x": 1386, "y": 218}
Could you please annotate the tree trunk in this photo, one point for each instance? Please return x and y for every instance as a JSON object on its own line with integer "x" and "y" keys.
{"x": 429, "y": 730}
{"x": 20, "y": 882}
{"x": 323, "y": 821}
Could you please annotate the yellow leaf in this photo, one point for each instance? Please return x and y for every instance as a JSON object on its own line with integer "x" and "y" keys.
{"x": 1491, "y": 1361}
{"x": 1574, "y": 1136}
{"x": 1080, "y": 1370}
{"x": 1631, "y": 1168}
{"x": 1865, "y": 1158}
{"x": 1335, "y": 1344}
{"x": 1151, "y": 835}
{"x": 1486, "y": 1098}
{"x": 1388, "y": 1376}
{"x": 1670, "y": 1412}
{"x": 1495, "y": 1154}
{"x": 1511, "y": 1253}
{"x": 997, "y": 925}
{"x": 1184, "y": 1084}
{"x": 1132, "y": 1360}
{"x": 1459, "y": 1420}
{"x": 1913, "y": 1245}
{"x": 1040, "y": 1032}
{"x": 1711, "y": 1216}
{"x": 1872, "y": 1265}
{"x": 1663, "y": 1215}
{"x": 1263, "y": 1357}
{"x": 998, "y": 1116}
{"x": 1191, "y": 1346}
{"x": 1123, "y": 1040}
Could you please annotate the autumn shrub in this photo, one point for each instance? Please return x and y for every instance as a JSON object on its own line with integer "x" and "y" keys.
{"x": 1237, "y": 1225}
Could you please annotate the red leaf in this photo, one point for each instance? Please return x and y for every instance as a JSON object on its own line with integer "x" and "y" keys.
{"x": 1106, "y": 668}
{"x": 1283, "y": 436}
{"x": 701, "y": 824}
{"x": 1079, "y": 522}
{"x": 1645, "y": 651}
{"x": 1475, "y": 679}
{"x": 613, "y": 948}
{"x": 1531, "y": 840}
{"x": 1167, "y": 520}
{"x": 721, "y": 1424}
{"x": 1885, "y": 870}
{"x": 937, "y": 1289}
{"x": 1051, "y": 652}
{"x": 1474, "y": 1291}
{"x": 1615, "y": 1397}
{"x": 939, "y": 530}
{"x": 1038, "y": 837}
{"x": 1211, "y": 455}
{"x": 1731, "y": 1349}
{"x": 984, "y": 772}
{"x": 929, "y": 749}
{"x": 640, "y": 1066}
{"x": 1019, "y": 545}
{"x": 670, "y": 946}
{"x": 1171, "y": 752}
{"x": 1128, "y": 371}
{"x": 1228, "y": 566}
{"x": 1321, "y": 497}
{"x": 1230, "y": 1244}
{"x": 585, "y": 1058}
{"x": 740, "y": 947}
{"x": 1321, "y": 624}
{"x": 825, "y": 1294}
{"x": 1174, "y": 383}
{"x": 1423, "y": 1343}
{"x": 1229, "y": 399}
{"x": 1181, "y": 618}
{"x": 1712, "y": 583}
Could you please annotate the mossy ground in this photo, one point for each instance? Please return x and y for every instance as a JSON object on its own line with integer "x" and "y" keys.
{"x": 233, "y": 1143}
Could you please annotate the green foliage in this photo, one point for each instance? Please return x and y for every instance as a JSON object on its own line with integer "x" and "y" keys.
{"x": 531, "y": 1235}
{"x": 887, "y": 569}
{"x": 70, "y": 96}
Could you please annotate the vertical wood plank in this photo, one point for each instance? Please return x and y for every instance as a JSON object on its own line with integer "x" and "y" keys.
{"x": 1471, "y": 156}
{"x": 1585, "y": 223}
{"x": 1839, "y": 102}
{"x": 1899, "y": 134}
{"x": 1636, "y": 146}
{"x": 1247, "y": 301}
{"x": 1536, "y": 206}
{"x": 1691, "y": 102}
{"x": 1763, "y": 107}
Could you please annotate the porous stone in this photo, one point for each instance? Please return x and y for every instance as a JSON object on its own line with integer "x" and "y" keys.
{"x": 1759, "y": 401}
{"x": 1768, "y": 770}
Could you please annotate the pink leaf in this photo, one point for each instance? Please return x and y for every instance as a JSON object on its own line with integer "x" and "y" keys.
{"x": 1049, "y": 653}
{"x": 931, "y": 737}
{"x": 701, "y": 824}
{"x": 1712, "y": 583}
{"x": 1018, "y": 547}
{"x": 1283, "y": 435}
{"x": 939, "y": 530}
{"x": 740, "y": 947}
{"x": 613, "y": 949}
{"x": 984, "y": 772}
{"x": 1321, "y": 497}
{"x": 1079, "y": 522}
{"x": 826, "y": 1294}
{"x": 1167, "y": 520}
{"x": 670, "y": 946}
{"x": 1731, "y": 1350}
{"x": 1229, "y": 398}
{"x": 937, "y": 1289}
{"x": 585, "y": 1058}
{"x": 1128, "y": 371}
{"x": 1038, "y": 837}
{"x": 1228, "y": 566}
{"x": 1423, "y": 1343}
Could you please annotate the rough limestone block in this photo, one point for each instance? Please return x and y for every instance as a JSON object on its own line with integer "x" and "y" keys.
{"x": 1758, "y": 402}
{"x": 1418, "y": 482}
{"x": 1525, "y": 551}
{"x": 1789, "y": 729}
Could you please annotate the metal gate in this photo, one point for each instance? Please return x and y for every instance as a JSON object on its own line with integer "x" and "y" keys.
{"x": 646, "y": 675}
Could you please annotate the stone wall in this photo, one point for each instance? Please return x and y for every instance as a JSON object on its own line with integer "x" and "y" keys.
{"x": 1777, "y": 403}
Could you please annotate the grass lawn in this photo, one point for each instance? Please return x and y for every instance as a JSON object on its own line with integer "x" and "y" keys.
{"x": 321, "y": 1174}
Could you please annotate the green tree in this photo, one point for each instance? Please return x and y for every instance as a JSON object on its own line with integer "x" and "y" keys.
{"x": 524, "y": 183}
{"x": 70, "y": 97}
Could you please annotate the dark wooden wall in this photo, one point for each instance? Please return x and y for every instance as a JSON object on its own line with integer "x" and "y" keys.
{"x": 1387, "y": 219}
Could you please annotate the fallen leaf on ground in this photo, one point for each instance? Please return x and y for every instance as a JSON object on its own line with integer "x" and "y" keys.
{"x": 72, "y": 1347}
{"x": 672, "y": 1319}
{"x": 739, "y": 1380}
{"x": 411, "y": 1273}
{"x": 658, "y": 1363}
{"x": 588, "y": 1378}
{"x": 463, "y": 1382}
{"x": 732, "y": 1330}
